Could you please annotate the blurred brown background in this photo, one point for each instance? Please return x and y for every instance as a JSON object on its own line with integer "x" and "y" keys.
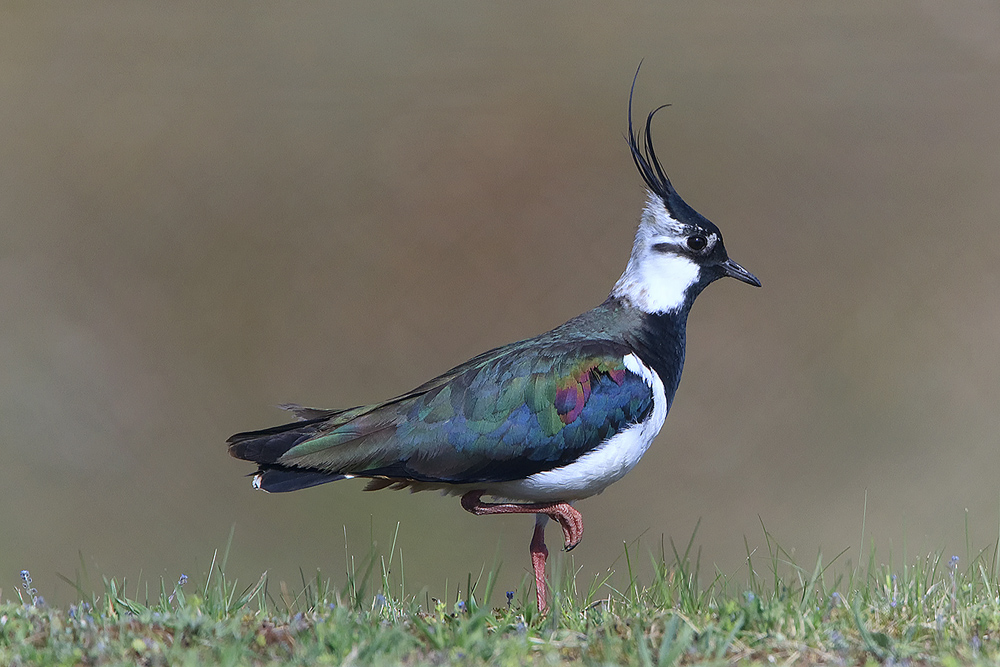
{"x": 210, "y": 209}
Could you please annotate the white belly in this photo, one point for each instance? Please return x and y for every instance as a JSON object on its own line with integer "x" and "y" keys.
{"x": 597, "y": 469}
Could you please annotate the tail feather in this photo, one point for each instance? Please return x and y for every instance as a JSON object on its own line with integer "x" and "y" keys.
{"x": 280, "y": 480}
{"x": 267, "y": 446}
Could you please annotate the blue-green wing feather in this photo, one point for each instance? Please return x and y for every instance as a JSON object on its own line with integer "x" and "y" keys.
{"x": 504, "y": 415}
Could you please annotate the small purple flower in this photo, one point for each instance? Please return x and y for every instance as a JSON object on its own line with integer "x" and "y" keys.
{"x": 952, "y": 566}
{"x": 510, "y": 598}
{"x": 183, "y": 579}
{"x": 26, "y": 584}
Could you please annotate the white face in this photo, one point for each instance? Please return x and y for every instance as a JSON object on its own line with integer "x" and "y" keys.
{"x": 662, "y": 266}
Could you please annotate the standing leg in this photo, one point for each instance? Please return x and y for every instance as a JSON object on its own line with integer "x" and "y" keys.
{"x": 569, "y": 519}
{"x": 539, "y": 554}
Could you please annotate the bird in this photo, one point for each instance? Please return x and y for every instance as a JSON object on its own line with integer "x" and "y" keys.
{"x": 537, "y": 424}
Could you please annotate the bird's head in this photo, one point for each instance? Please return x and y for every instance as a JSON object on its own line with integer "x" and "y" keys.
{"x": 677, "y": 251}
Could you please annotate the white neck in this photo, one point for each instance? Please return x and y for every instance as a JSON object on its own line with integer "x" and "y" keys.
{"x": 656, "y": 281}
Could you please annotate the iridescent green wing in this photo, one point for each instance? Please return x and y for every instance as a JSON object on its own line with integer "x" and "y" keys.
{"x": 504, "y": 415}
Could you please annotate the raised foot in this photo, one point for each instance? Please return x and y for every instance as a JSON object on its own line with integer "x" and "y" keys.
{"x": 569, "y": 519}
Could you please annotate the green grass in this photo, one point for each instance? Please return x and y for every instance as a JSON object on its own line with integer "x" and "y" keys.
{"x": 934, "y": 610}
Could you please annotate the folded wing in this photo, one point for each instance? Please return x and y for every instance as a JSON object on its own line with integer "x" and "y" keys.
{"x": 504, "y": 415}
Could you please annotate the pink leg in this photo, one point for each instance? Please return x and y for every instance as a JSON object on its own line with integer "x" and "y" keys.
{"x": 539, "y": 554}
{"x": 569, "y": 519}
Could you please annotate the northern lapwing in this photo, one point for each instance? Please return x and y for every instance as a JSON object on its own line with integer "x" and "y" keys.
{"x": 540, "y": 423}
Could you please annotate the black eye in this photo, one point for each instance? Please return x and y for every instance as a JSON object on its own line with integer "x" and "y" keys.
{"x": 697, "y": 242}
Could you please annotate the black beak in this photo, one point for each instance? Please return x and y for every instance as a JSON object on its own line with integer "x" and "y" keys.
{"x": 734, "y": 270}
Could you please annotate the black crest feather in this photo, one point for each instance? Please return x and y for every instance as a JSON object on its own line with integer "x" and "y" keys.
{"x": 643, "y": 153}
